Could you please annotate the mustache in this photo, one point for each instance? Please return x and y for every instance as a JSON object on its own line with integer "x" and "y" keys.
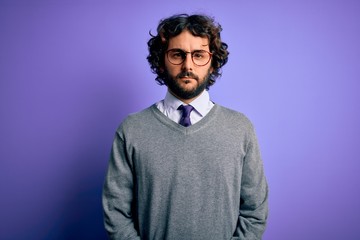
{"x": 187, "y": 74}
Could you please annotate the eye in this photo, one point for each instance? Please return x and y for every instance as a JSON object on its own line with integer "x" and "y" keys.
{"x": 176, "y": 54}
{"x": 199, "y": 54}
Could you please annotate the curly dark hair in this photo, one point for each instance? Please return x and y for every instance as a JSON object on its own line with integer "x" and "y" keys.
{"x": 198, "y": 25}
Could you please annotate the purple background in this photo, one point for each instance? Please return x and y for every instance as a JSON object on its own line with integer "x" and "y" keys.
{"x": 70, "y": 71}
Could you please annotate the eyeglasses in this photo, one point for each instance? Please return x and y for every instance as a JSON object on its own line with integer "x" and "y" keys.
{"x": 178, "y": 56}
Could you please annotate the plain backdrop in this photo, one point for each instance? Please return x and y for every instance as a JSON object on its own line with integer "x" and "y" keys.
{"x": 70, "y": 71}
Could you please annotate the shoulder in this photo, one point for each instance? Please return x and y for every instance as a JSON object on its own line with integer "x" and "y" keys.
{"x": 236, "y": 123}
{"x": 233, "y": 117}
{"x": 136, "y": 120}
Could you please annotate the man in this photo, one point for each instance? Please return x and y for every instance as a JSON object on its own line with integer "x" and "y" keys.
{"x": 186, "y": 168}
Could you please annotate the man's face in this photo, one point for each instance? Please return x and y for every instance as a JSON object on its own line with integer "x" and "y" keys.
{"x": 187, "y": 80}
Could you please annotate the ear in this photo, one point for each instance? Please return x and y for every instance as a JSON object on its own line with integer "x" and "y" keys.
{"x": 162, "y": 37}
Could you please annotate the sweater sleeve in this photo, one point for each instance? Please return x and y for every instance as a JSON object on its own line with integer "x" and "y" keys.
{"x": 254, "y": 195}
{"x": 118, "y": 194}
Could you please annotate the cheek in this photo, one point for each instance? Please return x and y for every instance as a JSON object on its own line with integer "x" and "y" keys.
{"x": 206, "y": 72}
{"x": 172, "y": 70}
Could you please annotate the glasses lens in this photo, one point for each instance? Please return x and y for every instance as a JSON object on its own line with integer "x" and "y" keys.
{"x": 176, "y": 56}
{"x": 201, "y": 57}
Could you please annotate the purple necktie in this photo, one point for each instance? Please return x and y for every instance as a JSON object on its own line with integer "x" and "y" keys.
{"x": 185, "y": 117}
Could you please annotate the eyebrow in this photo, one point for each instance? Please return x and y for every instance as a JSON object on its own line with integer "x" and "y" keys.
{"x": 179, "y": 49}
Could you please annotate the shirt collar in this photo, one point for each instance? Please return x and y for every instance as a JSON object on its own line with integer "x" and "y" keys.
{"x": 200, "y": 104}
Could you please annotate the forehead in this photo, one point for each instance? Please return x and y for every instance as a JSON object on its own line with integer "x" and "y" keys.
{"x": 188, "y": 42}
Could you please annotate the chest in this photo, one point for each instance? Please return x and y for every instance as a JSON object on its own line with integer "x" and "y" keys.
{"x": 189, "y": 159}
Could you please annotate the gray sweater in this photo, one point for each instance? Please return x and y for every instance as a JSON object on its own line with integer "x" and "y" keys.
{"x": 166, "y": 181}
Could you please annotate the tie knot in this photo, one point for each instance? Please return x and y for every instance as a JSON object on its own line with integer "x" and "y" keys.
{"x": 186, "y": 109}
{"x": 185, "y": 118}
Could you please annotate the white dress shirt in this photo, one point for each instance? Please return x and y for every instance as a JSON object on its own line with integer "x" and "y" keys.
{"x": 169, "y": 107}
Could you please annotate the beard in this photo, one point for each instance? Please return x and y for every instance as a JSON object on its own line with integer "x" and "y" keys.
{"x": 174, "y": 86}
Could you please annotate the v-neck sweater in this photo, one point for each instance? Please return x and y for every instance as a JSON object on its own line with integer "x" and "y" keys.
{"x": 166, "y": 181}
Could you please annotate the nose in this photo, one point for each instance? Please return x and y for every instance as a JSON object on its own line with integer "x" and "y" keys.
{"x": 188, "y": 63}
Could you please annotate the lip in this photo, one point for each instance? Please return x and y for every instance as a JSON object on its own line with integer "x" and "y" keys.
{"x": 187, "y": 78}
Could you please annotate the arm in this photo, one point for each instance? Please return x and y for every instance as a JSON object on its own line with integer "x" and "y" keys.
{"x": 118, "y": 194}
{"x": 254, "y": 195}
